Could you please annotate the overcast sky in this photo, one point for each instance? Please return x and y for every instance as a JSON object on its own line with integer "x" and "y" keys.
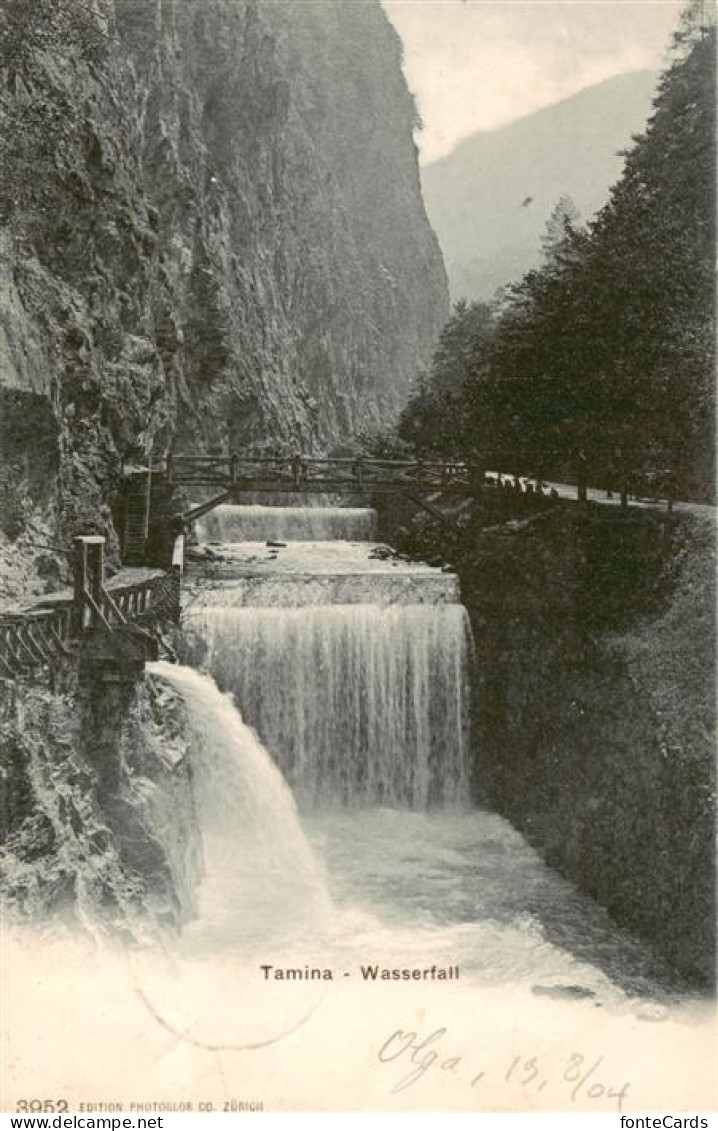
{"x": 478, "y": 64}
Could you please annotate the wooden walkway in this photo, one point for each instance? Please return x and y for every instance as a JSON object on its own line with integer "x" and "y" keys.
{"x": 153, "y": 496}
{"x": 234, "y": 475}
{"x": 43, "y": 632}
{"x": 313, "y": 473}
{"x": 46, "y": 630}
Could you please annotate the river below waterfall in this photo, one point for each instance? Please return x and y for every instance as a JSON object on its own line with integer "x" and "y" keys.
{"x": 346, "y": 870}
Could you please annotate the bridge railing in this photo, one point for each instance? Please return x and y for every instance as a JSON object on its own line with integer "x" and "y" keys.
{"x": 306, "y": 472}
{"x": 155, "y": 598}
{"x": 33, "y": 639}
{"x": 238, "y": 472}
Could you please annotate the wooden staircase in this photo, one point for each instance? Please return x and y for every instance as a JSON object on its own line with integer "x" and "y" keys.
{"x": 144, "y": 535}
{"x": 135, "y": 521}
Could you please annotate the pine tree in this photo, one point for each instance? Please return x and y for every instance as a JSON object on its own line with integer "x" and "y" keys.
{"x": 648, "y": 287}
{"x": 435, "y": 420}
{"x": 564, "y": 221}
{"x": 603, "y": 361}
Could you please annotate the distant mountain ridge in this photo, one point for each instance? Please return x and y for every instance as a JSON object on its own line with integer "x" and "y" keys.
{"x": 488, "y": 201}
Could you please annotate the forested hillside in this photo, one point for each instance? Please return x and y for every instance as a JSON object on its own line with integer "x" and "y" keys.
{"x": 598, "y": 366}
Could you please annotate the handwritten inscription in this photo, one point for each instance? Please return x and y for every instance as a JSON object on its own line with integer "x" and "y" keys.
{"x": 582, "y": 1078}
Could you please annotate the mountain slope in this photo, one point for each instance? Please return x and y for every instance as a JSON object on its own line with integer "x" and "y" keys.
{"x": 476, "y": 196}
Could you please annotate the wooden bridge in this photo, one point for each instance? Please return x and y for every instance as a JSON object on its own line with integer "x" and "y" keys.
{"x": 154, "y": 515}
{"x": 153, "y": 523}
{"x": 314, "y": 475}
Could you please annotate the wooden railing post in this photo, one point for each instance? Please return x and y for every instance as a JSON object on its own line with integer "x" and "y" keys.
{"x": 477, "y": 477}
{"x": 79, "y": 609}
{"x": 581, "y": 484}
{"x": 148, "y": 499}
{"x": 299, "y": 470}
{"x": 178, "y": 555}
{"x": 88, "y": 579}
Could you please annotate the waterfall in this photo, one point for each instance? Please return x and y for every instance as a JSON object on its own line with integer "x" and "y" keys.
{"x": 286, "y": 523}
{"x": 322, "y": 588}
{"x": 260, "y": 870}
{"x": 358, "y": 703}
{"x": 264, "y": 992}
{"x": 301, "y": 499}
{"x": 353, "y": 670}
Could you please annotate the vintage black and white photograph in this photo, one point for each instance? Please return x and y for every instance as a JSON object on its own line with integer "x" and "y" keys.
{"x": 357, "y": 557}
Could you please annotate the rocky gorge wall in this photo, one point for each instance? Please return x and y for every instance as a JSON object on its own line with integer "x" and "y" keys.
{"x": 97, "y": 809}
{"x": 594, "y": 703}
{"x": 211, "y": 235}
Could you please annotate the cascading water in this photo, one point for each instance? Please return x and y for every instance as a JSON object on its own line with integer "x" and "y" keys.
{"x": 359, "y": 703}
{"x": 259, "y": 869}
{"x": 352, "y": 669}
{"x": 251, "y": 523}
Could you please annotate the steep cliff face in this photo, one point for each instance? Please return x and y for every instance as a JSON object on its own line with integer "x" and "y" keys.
{"x": 595, "y": 709}
{"x": 97, "y": 808}
{"x": 212, "y": 234}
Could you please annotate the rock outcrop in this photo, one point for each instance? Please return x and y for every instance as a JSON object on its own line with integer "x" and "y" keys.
{"x": 98, "y": 825}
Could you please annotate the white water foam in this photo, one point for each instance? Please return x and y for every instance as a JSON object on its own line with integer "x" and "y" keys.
{"x": 259, "y": 869}
{"x": 359, "y": 704}
{"x": 229, "y": 523}
{"x": 366, "y": 705}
